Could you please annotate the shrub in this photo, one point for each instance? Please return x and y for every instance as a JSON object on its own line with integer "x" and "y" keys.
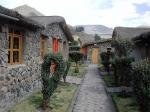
{"x": 49, "y": 84}
{"x": 66, "y": 69}
{"x": 106, "y": 58}
{"x": 122, "y": 61}
{"x": 123, "y": 46}
{"x": 141, "y": 83}
{"x": 75, "y": 54}
{"x": 123, "y": 74}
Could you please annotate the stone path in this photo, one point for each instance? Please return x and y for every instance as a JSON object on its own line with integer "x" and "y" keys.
{"x": 92, "y": 96}
{"x": 73, "y": 80}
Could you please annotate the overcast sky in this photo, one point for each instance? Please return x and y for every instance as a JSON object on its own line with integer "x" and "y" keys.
{"x": 111, "y": 13}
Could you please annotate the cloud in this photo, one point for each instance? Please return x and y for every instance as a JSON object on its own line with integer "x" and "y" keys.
{"x": 76, "y": 12}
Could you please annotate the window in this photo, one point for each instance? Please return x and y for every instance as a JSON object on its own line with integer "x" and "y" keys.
{"x": 55, "y": 45}
{"x": 15, "y": 47}
{"x": 42, "y": 46}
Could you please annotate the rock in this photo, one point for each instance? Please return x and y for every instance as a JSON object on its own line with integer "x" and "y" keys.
{"x": 4, "y": 89}
{"x": 1, "y": 78}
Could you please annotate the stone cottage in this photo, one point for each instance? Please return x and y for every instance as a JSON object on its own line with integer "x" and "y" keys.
{"x": 94, "y": 49}
{"x": 20, "y": 51}
{"x": 130, "y": 33}
{"x": 143, "y": 42}
{"x": 58, "y": 31}
{"x": 23, "y": 43}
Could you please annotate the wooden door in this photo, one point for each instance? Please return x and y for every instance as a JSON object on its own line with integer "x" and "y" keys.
{"x": 95, "y": 55}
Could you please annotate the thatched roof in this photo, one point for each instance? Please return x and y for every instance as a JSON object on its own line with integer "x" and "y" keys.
{"x": 100, "y": 42}
{"x": 126, "y": 32}
{"x": 13, "y": 17}
{"x": 47, "y": 20}
{"x": 144, "y": 38}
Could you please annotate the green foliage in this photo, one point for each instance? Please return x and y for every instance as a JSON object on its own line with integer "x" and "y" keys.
{"x": 66, "y": 69}
{"x": 79, "y": 28}
{"x": 123, "y": 46}
{"x": 75, "y": 54}
{"x": 106, "y": 58}
{"x": 109, "y": 80}
{"x": 127, "y": 104}
{"x": 60, "y": 100}
{"x": 123, "y": 71}
{"x": 97, "y": 37}
{"x": 141, "y": 83}
{"x": 122, "y": 61}
{"x": 74, "y": 48}
{"x": 76, "y": 70}
{"x": 50, "y": 84}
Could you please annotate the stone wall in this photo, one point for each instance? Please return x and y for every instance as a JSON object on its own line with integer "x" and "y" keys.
{"x": 104, "y": 46}
{"x": 19, "y": 80}
{"x": 56, "y": 32}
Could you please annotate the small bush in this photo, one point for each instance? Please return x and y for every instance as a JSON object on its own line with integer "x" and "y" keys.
{"x": 141, "y": 83}
{"x": 123, "y": 74}
{"x": 66, "y": 69}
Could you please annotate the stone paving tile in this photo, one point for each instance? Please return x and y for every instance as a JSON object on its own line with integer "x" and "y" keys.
{"x": 92, "y": 96}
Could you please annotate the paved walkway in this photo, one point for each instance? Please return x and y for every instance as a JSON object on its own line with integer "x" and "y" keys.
{"x": 92, "y": 96}
{"x": 73, "y": 79}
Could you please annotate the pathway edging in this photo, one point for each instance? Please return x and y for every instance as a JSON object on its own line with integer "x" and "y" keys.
{"x": 71, "y": 107}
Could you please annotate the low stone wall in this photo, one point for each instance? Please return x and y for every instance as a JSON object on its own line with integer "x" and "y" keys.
{"x": 18, "y": 82}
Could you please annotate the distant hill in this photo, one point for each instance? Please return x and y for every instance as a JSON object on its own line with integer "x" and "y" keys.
{"x": 96, "y": 29}
{"x": 89, "y": 32}
{"x": 84, "y": 37}
{"x": 27, "y": 11}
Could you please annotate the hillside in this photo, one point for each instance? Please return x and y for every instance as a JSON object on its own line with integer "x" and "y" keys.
{"x": 96, "y": 29}
{"x": 84, "y": 37}
{"x": 27, "y": 11}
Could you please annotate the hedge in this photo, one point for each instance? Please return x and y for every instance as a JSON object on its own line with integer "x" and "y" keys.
{"x": 141, "y": 83}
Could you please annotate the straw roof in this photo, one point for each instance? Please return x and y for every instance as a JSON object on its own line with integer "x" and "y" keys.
{"x": 13, "y": 17}
{"x": 48, "y": 20}
{"x": 128, "y": 32}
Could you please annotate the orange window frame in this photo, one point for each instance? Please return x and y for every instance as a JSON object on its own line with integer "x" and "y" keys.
{"x": 11, "y": 49}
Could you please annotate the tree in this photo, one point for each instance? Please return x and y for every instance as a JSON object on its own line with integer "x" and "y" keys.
{"x": 75, "y": 54}
{"x": 97, "y": 37}
{"x": 66, "y": 69}
{"x": 79, "y": 28}
{"x": 51, "y": 71}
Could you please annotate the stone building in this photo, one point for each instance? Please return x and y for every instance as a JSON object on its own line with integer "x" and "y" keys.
{"x": 58, "y": 31}
{"x": 130, "y": 33}
{"x": 143, "y": 42}
{"x": 23, "y": 43}
{"x": 94, "y": 49}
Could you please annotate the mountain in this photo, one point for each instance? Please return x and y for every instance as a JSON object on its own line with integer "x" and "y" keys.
{"x": 84, "y": 37}
{"x": 27, "y": 11}
{"x": 96, "y": 29}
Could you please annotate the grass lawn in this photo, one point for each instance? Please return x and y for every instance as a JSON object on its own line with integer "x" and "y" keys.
{"x": 60, "y": 100}
{"x": 127, "y": 104}
{"x": 80, "y": 74}
{"x": 82, "y": 70}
